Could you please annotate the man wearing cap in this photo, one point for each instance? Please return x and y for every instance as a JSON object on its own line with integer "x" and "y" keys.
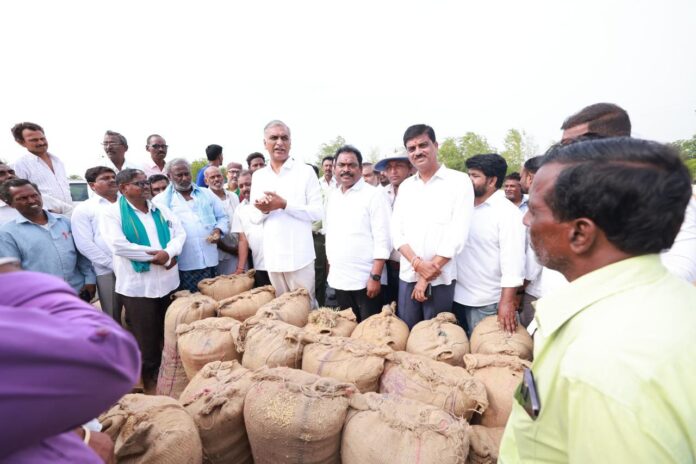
{"x": 214, "y": 154}
{"x": 397, "y": 169}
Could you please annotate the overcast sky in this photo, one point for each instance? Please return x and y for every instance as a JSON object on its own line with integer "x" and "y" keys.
{"x": 215, "y": 72}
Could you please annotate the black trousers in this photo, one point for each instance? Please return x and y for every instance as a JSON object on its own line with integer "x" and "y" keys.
{"x": 321, "y": 268}
{"x": 145, "y": 318}
{"x": 261, "y": 279}
{"x": 363, "y": 307}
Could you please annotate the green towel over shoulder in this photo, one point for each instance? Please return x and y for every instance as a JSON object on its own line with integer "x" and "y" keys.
{"x": 135, "y": 232}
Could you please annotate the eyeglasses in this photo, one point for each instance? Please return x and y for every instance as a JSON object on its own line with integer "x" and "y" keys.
{"x": 157, "y": 146}
{"x": 111, "y": 144}
{"x": 140, "y": 183}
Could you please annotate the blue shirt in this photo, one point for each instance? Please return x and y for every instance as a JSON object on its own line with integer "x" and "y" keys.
{"x": 200, "y": 178}
{"x": 49, "y": 249}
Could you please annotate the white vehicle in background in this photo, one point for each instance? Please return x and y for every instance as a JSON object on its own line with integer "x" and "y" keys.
{"x": 79, "y": 191}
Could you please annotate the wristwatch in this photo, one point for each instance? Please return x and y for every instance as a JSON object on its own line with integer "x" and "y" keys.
{"x": 376, "y": 277}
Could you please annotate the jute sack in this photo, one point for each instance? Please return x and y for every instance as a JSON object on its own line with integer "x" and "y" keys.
{"x": 206, "y": 340}
{"x": 245, "y": 305}
{"x": 328, "y": 321}
{"x": 386, "y": 429}
{"x": 291, "y": 307}
{"x": 439, "y": 338}
{"x": 215, "y": 400}
{"x": 271, "y": 343}
{"x": 501, "y": 374}
{"x": 484, "y": 444}
{"x": 384, "y": 328}
{"x": 226, "y": 286}
{"x": 448, "y": 387}
{"x": 346, "y": 359}
{"x": 293, "y": 416}
{"x": 489, "y": 338}
{"x": 152, "y": 430}
{"x": 187, "y": 307}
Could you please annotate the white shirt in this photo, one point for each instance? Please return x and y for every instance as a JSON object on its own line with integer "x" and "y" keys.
{"x": 524, "y": 204}
{"x": 287, "y": 233}
{"x": 242, "y": 223}
{"x": 680, "y": 260}
{"x": 229, "y": 204}
{"x": 357, "y": 233}
{"x": 326, "y": 187}
{"x": 54, "y": 183}
{"x": 88, "y": 240}
{"x": 127, "y": 164}
{"x": 433, "y": 218}
{"x": 494, "y": 255}
{"x": 390, "y": 195}
{"x": 158, "y": 281}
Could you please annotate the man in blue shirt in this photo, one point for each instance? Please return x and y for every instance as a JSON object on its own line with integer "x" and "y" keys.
{"x": 214, "y": 154}
{"x": 43, "y": 241}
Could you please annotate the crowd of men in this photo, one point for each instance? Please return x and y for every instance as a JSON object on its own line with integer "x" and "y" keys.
{"x": 409, "y": 230}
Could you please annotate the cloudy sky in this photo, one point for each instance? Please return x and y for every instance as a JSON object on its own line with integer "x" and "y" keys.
{"x": 215, "y": 72}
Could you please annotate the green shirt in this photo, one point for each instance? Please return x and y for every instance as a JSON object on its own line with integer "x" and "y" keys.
{"x": 615, "y": 369}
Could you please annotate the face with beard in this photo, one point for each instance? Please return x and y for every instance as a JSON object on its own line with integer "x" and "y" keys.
{"x": 348, "y": 169}
{"x": 180, "y": 175}
{"x": 480, "y": 182}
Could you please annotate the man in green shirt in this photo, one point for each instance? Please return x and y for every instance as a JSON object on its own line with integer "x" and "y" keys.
{"x": 615, "y": 350}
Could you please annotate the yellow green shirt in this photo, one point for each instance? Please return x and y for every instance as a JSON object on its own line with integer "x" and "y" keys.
{"x": 615, "y": 368}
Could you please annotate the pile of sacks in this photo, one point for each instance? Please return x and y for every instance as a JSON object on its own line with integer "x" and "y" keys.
{"x": 264, "y": 379}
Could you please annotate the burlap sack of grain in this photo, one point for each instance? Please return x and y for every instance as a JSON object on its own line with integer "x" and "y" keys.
{"x": 346, "y": 359}
{"x": 387, "y": 429}
{"x": 271, "y": 343}
{"x": 215, "y": 400}
{"x": 293, "y": 416}
{"x": 439, "y": 338}
{"x": 152, "y": 430}
{"x": 484, "y": 444}
{"x": 291, "y": 307}
{"x": 206, "y": 340}
{"x": 420, "y": 378}
{"x": 186, "y": 308}
{"x": 488, "y": 338}
{"x": 245, "y": 305}
{"x": 384, "y": 328}
{"x": 328, "y": 321}
{"x": 226, "y": 286}
{"x": 501, "y": 374}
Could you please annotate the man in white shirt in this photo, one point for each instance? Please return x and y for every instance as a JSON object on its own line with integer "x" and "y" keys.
{"x": 227, "y": 246}
{"x": 39, "y": 166}
{"x": 115, "y": 146}
{"x": 204, "y": 219}
{"x": 287, "y": 196}
{"x": 357, "y": 237}
{"x": 250, "y": 234}
{"x": 370, "y": 175}
{"x": 157, "y": 147}
{"x": 327, "y": 181}
{"x": 397, "y": 169}
{"x": 145, "y": 241}
{"x": 430, "y": 225}
{"x": 490, "y": 268}
{"x": 88, "y": 240}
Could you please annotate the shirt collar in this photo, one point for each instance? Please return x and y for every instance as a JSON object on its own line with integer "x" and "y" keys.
{"x": 554, "y": 310}
{"x": 441, "y": 173}
{"x": 493, "y": 199}
{"x": 355, "y": 188}
{"x": 52, "y": 218}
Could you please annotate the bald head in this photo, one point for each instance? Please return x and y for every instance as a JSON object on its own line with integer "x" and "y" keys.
{"x": 213, "y": 177}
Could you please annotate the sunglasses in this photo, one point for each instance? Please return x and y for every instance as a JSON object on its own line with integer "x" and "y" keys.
{"x": 157, "y": 146}
{"x": 140, "y": 183}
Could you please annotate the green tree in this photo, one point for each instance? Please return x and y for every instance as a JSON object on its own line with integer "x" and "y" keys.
{"x": 74, "y": 177}
{"x": 196, "y": 166}
{"x": 687, "y": 148}
{"x": 454, "y": 151}
{"x": 329, "y": 149}
{"x": 518, "y": 147}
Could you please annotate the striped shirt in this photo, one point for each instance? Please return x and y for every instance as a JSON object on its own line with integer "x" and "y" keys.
{"x": 54, "y": 183}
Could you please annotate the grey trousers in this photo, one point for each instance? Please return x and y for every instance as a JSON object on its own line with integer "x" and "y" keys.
{"x": 412, "y": 311}
{"x": 109, "y": 300}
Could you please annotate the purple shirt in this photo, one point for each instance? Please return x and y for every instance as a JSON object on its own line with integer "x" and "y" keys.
{"x": 62, "y": 363}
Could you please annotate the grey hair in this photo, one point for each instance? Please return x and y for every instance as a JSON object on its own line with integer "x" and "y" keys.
{"x": 175, "y": 162}
{"x": 121, "y": 138}
{"x": 276, "y": 122}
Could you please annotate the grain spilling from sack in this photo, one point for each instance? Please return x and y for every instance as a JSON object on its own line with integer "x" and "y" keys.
{"x": 328, "y": 321}
{"x": 448, "y": 387}
{"x": 293, "y": 416}
{"x": 226, "y": 286}
{"x": 386, "y": 429}
{"x": 245, "y": 305}
{"x": 152, "y": 430}
{"x": 215, "y": 400}
{"x": 291, "y": 307}
{"x": 384, "y": 328}
{"x": 501, "y": 374}
{"x": 186, "y": 308}
{"x": 206, "y": 340}
{"x": 484, "y": 444}
{"x": 439, "y": 338}
{"x": 346, "y": 359}
{"x": 271, "y": 343}
{"x": 489, "y": 338}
